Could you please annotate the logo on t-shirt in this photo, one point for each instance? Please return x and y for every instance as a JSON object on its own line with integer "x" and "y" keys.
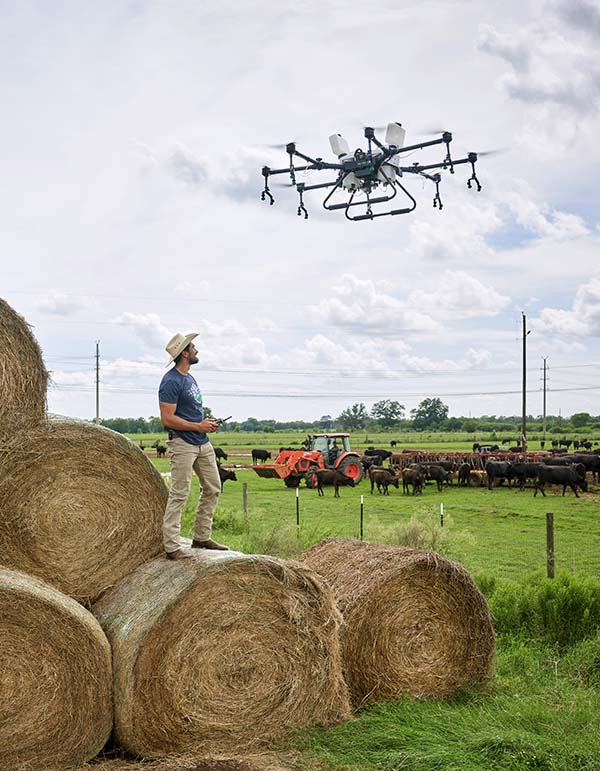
{"x": 194, "y": 392}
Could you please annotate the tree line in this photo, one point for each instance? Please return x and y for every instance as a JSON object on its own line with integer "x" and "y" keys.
{"x": 385, "y": 415}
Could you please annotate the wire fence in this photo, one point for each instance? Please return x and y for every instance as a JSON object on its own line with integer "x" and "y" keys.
{"x": 503, "y": 533}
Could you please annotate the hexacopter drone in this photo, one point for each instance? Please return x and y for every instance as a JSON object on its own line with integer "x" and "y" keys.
{"x": 364, "y": 171}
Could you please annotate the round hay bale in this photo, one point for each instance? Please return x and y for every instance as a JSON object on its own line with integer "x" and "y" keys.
{"x": 415, "y": 623}
{"x": 55, "y": 664}
{"x": 80, "y": 506}
{"x": 23, "y": 375}
{"x": 221, "y": 652}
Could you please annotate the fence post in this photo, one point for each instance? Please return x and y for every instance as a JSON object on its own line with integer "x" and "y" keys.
{"x": 245, "y": 504}
{"x": 362, "y": 508}
{"x": 441, "y": 515}
{"x": 550, "y": 544}
{"x": 298, "y": 512}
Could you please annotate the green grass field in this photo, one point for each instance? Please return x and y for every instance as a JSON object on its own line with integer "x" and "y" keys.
{"x": 544, "y": 711}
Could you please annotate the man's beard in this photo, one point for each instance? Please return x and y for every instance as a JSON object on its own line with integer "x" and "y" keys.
{"x": 194, "y": 360}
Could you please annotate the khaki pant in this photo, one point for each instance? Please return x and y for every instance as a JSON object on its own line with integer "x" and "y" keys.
{"x": 186, "y": 458}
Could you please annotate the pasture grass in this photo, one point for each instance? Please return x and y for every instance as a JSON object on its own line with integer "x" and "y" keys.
{"x": 539, "y": 715}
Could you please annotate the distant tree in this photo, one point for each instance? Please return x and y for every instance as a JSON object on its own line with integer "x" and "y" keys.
{"x": 469, "y": 426}
{"x": 353, "y": 417}
{"x": 580, "y": 419}
{"x": 325, "y": 422}
{"x": 452, "y": 424}
{"x": 429, "y": 414}
{"x": 387, "y": 412}
{"x": 251, "y": 424}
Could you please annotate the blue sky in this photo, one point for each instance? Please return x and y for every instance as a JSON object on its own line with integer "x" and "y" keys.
{"x": 131, "y": 202}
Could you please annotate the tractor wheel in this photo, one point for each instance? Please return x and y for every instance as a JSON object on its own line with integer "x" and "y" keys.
{"x": 311, "y": 477}
{"x": 352, "y": 468}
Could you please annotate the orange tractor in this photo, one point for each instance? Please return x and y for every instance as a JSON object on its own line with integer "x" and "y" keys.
{"x": 326, "y": 451}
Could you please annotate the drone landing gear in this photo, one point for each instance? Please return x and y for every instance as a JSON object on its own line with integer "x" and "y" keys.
{"x": 369, "y": 202}
{"x": 266, "y": 192}
{"x": 301, "y": 207}
{"x": 472, "y": 157}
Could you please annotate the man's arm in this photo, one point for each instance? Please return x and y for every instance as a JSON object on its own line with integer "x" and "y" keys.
{"x": 170, "y": 420}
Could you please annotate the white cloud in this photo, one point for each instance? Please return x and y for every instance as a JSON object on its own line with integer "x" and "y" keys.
{"x": 458, "y": 234}
{"x": 554, "y": 71}
{"x": 361, "y": 303}
{"x": 541, "y": 219}
{"x": 62, "y": 303}
{"x": 457, "y": 295}
{"x": 582, "y": 320}
{"x": 147, "y": 326}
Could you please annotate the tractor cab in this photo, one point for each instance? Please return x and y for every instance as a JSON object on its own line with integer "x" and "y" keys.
{"x": 331, "y": 445}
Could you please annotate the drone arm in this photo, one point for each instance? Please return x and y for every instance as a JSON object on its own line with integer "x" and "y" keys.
{"x": 418, "y": 168}
{"x": 322, "y": 184}
{"x": 419, "y": 146}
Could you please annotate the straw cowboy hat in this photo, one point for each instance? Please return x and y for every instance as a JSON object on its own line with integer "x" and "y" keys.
{"x": 178, "y": 343}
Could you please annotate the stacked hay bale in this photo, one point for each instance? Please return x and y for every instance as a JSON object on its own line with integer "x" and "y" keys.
{"x": 56, "y": 694}
{"x": 23, "y": 375}
{"x": 80, "y": 506}
{"x": 224, "y": 652}
{"x": 415, "y": 623}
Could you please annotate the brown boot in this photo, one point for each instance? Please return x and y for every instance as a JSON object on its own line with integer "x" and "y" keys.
{"x": 178, "y": 554}
{"x": 210, "y": 544}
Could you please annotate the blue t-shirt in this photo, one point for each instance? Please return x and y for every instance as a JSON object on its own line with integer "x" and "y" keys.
{"x": 183, "y": 391}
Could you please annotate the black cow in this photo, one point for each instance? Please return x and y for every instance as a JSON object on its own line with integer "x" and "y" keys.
{"x": 591, "y": 461}
{"x": 572, "y": 476}
{"x": 438, "y": 474}
{"x": 161, "y": 451}
{"x": 293, "y": 480}
{"x": 330, "y": 476}
{"x": 370, "y": 460}
{"x": 225, "y": 474}
{"x": 220, "y": 454}
{"x": 524, "y": 471}
{"x": 498, "y": 469}
{"x": 393, "y": 443}
{"x": 260, "y": 455}
{"x": 463, "y": 474}
{"x": 383, "y": 454}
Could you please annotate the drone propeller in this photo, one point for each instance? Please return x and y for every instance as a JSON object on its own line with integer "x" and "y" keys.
{"x": 432, "y": 132}
{"x": 281, "y": 147}
{"x": 497, "y": 151}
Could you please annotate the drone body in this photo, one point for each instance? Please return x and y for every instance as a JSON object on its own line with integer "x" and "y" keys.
{"x": 362, "y": 172}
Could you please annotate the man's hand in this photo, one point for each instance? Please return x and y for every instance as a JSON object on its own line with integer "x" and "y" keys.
{"x": 208, "y": 426}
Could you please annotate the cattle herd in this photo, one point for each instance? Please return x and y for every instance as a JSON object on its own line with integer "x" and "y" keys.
{"x": 487, "y": 466}
{"x": 415, "y": 469}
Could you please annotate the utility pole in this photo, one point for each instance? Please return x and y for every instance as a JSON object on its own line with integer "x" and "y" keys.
{"x": 97, "y": 382}
{"x": 524, "y": 405}
{"x": 544, "y": 409}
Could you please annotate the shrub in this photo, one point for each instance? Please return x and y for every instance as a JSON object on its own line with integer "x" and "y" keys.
{"x": 564, "y": 610}
{"x": 582, "y": 663}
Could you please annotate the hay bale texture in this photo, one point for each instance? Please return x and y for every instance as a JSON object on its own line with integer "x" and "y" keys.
{"x": 80, "y": 506}
{"x": 222, "y": 652}
{"x": 23, "y": 375}
{"x": 56, "y": 682}
{"x": 255, "y": 762}
{"x": 415, "y": 623}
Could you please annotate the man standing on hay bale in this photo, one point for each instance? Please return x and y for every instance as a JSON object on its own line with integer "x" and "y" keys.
{"x": 182, "y": 413}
